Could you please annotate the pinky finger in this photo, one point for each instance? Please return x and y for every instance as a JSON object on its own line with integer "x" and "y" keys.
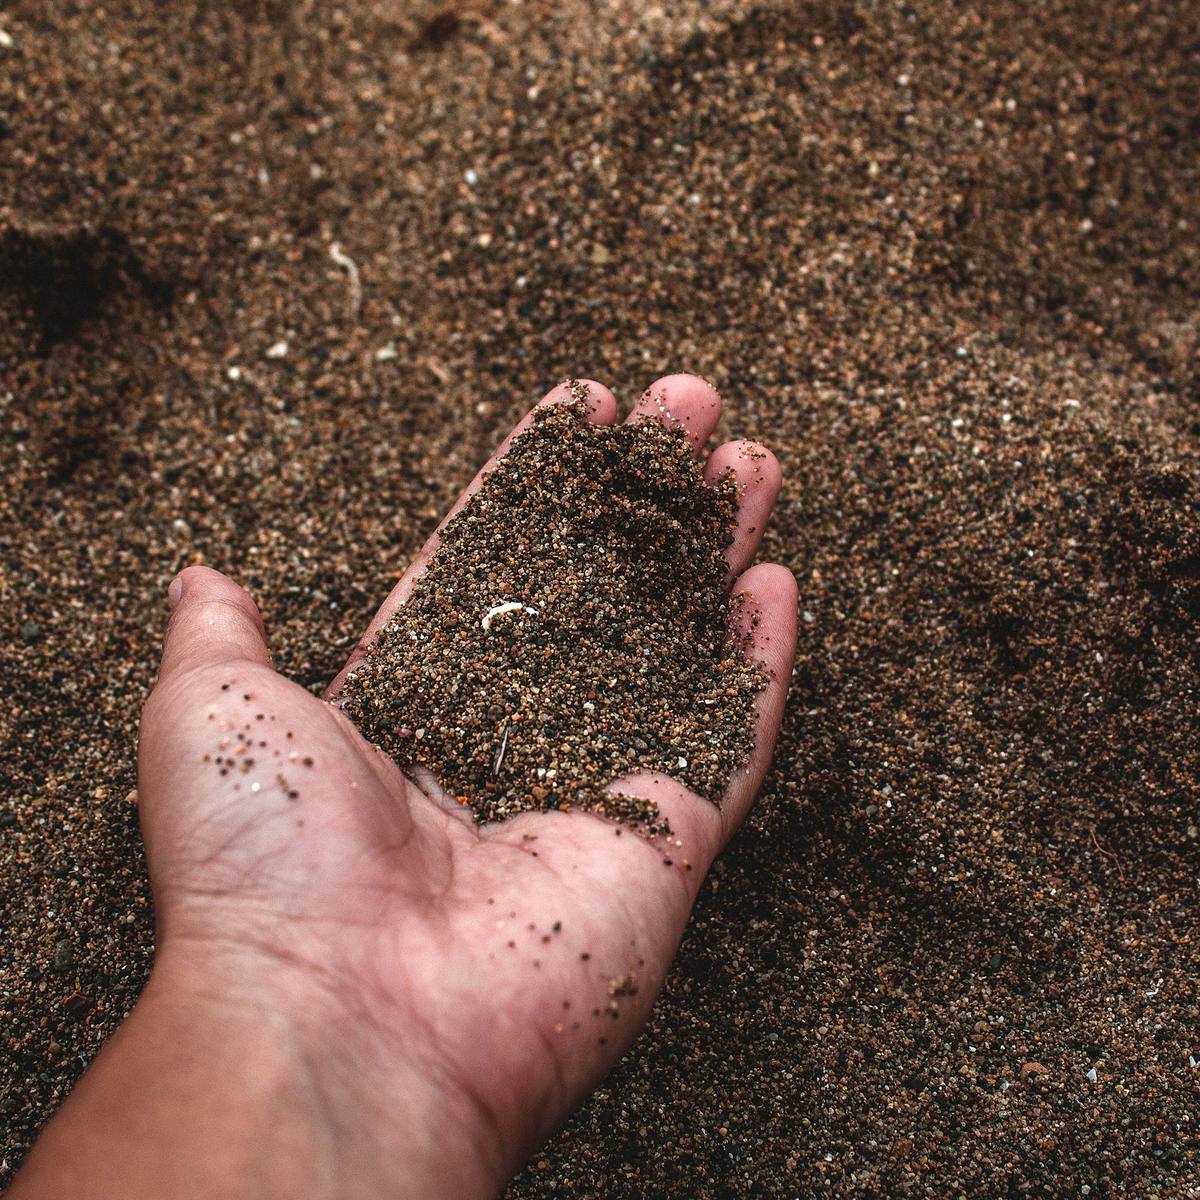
{"x": 765, "y": 624}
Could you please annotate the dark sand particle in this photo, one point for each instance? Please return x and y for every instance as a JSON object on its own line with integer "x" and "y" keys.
{"x": 942, "y": 258}
{"x": 573, "y": 626}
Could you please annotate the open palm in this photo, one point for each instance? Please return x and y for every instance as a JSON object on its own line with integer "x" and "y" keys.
{"x": 483, "y": 977}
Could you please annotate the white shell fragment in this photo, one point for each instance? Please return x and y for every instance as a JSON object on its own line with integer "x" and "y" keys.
{"x": 498, "y": 610}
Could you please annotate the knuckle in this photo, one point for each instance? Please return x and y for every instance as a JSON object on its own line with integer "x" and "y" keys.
{"x": 223, "y": 610}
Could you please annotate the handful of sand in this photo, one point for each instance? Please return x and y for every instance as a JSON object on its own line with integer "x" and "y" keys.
{"x": 573, "y": 626}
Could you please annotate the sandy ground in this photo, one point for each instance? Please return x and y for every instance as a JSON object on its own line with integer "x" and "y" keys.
{"x": 275, "y": 277}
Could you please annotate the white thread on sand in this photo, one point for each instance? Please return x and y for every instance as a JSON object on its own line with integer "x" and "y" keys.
{"x": 348, "y": 265}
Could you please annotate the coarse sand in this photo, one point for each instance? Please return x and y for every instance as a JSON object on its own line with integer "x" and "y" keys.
{"x": 276, "y": 277}
{"x": 618, "y": 655}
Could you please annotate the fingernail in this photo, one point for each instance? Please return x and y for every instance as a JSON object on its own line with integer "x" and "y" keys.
{"x": 175, "y": 591}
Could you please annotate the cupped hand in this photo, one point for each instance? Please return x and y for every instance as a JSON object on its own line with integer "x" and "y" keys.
{"x": 449, "y": 990}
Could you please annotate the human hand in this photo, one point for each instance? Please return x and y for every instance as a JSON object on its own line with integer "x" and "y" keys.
{"x": 390, "y": 999}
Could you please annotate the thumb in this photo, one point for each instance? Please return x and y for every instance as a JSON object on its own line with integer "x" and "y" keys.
{"x": 213, "y": 622}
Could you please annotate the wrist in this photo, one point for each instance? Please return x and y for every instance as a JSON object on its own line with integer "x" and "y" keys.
{"x": 233, "y": 1081}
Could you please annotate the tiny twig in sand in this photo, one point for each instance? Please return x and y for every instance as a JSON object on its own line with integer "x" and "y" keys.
{"x": 498, "y": 761}
{"x": 1107, "y": 853}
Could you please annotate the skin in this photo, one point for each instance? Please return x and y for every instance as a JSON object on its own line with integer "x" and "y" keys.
{"x": 357, "y": 991}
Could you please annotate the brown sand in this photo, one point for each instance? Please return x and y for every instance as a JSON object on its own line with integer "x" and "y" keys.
{"x": 942, "y": 259}
{"x": 573, "y": 626}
